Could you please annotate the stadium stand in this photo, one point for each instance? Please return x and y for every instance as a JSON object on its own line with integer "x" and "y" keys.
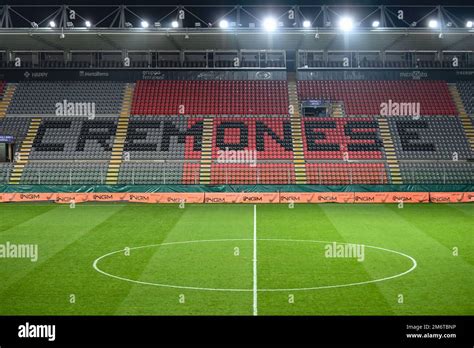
{"x": 161, "y": 146}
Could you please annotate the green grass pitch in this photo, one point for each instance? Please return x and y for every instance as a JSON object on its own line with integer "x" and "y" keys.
{"x": 200, "y": 260}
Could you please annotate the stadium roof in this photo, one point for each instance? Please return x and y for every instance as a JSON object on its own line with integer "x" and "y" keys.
{"x": 240, "y": 39}
{"x": 53, "y": 27}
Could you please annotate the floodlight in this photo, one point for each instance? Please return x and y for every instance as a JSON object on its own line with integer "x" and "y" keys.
{"x": 469, "y": 24}
{"x": 144, "y": 24}
{"x": 52, "y": 24}
{"x": 433, "y": 23}
{"x": 375, "y": 24}
{"x": 306, "y": 24}
{"x": 88, "y": 24}
{"x": 223, "y": 24}
{"x": 346, "y": 24}
{"x": 174, "y": 24}
{"x": 269, "y": 24}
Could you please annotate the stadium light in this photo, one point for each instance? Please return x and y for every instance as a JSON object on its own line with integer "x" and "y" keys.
{"x": 88, "y": 24}
{"x": 174, "y": 24}
{"x": 269, "y": 24}
{"x": 346, "y": 24}
{"x": 433, "y": 24}
{"x": 469, "y": 24}
{"x": 375, "y": 24}
{"x": 52, "y": 24}
{"x": 306, "y": 24}
{"x": 223, "y": 24}
{"x": 144, "y": 24}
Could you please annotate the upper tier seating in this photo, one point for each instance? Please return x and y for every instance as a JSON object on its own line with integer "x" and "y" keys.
{"x": 41, "y": 98}
{"x": 466, "y": 90}
{"x": 210, "y": 97}
{"x": 429, "y": 138}
{"x": 366, "y": 97}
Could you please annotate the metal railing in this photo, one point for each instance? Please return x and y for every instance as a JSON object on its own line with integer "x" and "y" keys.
{"x": 227, "y": 174}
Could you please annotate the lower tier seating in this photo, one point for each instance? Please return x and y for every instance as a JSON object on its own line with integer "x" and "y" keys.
{"x": 5, "y": 170}
{"x": 429, "y": 138}
{"x": 246, "y": 174}
{"x": 3, "y": 85}
{"x": 151, "y": 173}
{"x": 466, "y": 90}
{"x": 346, "y": 173}
{"x": 355, "y": 138}
{"x": 437, "y": 173}
{"x": 244, "y": 150}
{"x": 17, "y": 127}
{"x": 74, "y": 138}
{"x": 64, "y": 173}
{"x": 269, "y": 137}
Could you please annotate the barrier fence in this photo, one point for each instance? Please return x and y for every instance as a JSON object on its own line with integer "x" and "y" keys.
{"x": 240, "y": 176}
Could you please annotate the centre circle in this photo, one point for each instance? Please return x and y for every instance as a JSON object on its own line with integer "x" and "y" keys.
{"x": 312, "y": 266}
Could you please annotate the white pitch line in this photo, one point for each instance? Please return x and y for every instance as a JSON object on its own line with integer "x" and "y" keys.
{"x": 250, "y": 289}
{"x": 255, "y": 288}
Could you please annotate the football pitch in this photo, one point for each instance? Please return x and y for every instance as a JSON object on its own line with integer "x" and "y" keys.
{"x": 319, "y": 259}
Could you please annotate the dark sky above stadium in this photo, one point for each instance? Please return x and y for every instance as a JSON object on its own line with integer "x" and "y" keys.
{"x": 240, "y": 2}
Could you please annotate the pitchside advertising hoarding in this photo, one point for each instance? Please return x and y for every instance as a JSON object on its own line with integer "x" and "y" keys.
{"x": 243, "y": 197}
{"x": 21, "y": 75}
